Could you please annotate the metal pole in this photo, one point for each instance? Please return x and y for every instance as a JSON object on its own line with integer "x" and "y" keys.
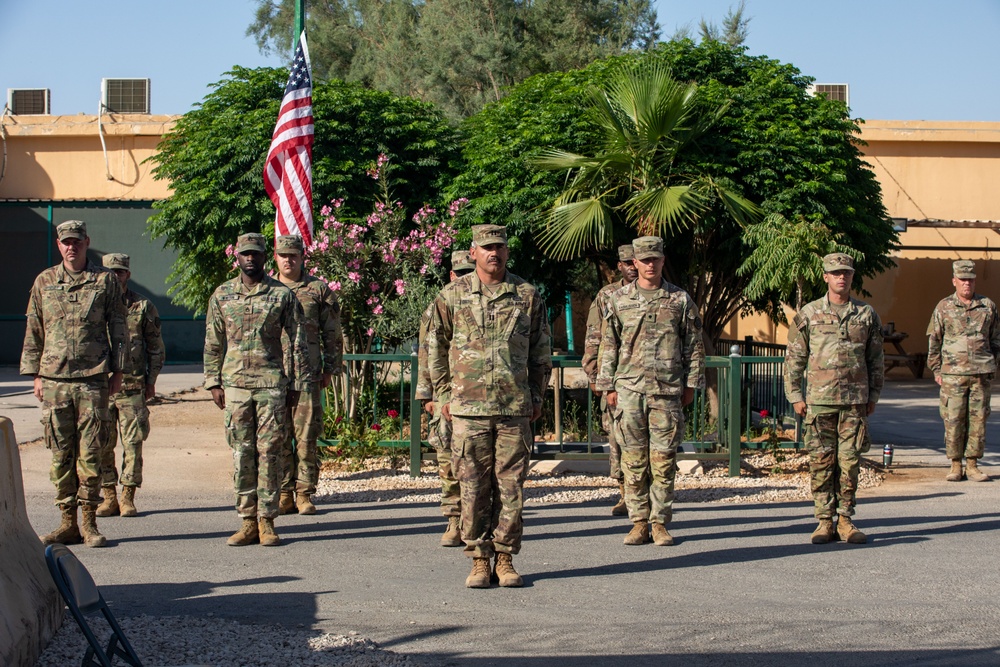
{"x": 415, "y": 414}
{"x": 733, "y": 410}
{"x": 300, "y": 20}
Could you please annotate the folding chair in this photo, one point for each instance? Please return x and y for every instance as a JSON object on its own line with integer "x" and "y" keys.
{"x": 84, "y": 599}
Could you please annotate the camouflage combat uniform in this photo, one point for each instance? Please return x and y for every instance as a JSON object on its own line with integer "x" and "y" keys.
{"x": 963, "y": 343}
{"x": 592, "y": 343}
{"x": 243, "y": 355}
{"x": 439, "y": 429}
{"x": 651, "y": 351}
{"x": 490, "y": 360}
{"x": 75, "y": 336}
{"x": 325, "y": 344}
{"x": 128, "y": 411}
{"x": 841, "y": 361}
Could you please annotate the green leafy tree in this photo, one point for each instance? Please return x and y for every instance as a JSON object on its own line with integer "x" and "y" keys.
{"x": 788, "y": 152}
{"x": 460, "y": 54}
{"x": 647, "y": 121}
{"x": 214, "y": 160}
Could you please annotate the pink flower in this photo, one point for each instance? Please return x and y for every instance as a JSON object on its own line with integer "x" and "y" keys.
{"x": 325, "y": 211}
{"x": 400, "y": 286}
{"x": 230, "y": 250}
{"x": 392, "y": 414}
{"x": 377, "y": 310}
{"x": 373, "y": 287}
{"x": 337, "y": 203}
{"x": 334, "y": 285}
{"x": 370, "y": 332}
{"x": 423, "y": 269}
{"x": 354, "y": 276}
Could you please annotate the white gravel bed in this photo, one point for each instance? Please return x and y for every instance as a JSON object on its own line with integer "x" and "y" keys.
{"x": 186, "y": 640}
{"x": 708, "y": 483}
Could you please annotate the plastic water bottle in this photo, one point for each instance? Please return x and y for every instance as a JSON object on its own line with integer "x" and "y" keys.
{"x": 887, "y": 455}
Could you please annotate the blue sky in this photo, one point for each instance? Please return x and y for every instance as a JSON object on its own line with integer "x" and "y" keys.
{"x": 904, "y": 59}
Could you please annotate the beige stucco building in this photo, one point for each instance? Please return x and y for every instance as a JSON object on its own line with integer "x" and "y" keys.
{"x": 936, "y": 178}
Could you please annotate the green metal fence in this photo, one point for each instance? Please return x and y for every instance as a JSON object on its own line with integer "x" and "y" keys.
{"x": 743, "y": 386}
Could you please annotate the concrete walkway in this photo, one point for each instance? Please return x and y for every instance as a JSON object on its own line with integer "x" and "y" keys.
{"x": 742, "y": 587}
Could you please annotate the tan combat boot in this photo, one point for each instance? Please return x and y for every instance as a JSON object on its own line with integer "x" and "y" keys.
{"x": 68, "y": 531}
{"x": 506, "y": 575}
{"x": 247, "y": 534}
{"x": 286, "y": 503}
{"x": 480, "y": 575}
{"x": 128, "y": 501}
{"x": 973, "y": 473}
{"x": 620, "y": 509}
{"x": 661, "y": 537}
{"x": 453, "y": 534}
{"x": 955, "y": 474}
{"x": 304, "y": 504}
{"x": 268, "y": 538}
{"x": 824, "y": 532}
{"x": 849, "y": 532}
{"x": 88, "y": 527}
{"x": 639, "y": 533}
{"x": 109, "y": 506}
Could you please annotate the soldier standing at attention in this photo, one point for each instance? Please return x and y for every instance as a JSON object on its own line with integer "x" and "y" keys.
{"x": 652, "y": 358}
{"x": 963, "y": 342}
{"x": 325, "y": 341}
{"x": 439, "y": 430}
{"x": 490, "y": 356}
{"x": 75, "y": 336}
{"x": 595, "y": 328}
{"x": 835, "y": 345}
{"x": 129, "y": 414}
{"x": 252, "y": 381}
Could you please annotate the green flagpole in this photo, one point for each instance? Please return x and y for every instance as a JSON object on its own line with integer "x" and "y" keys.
{"x": 300, "y": 19}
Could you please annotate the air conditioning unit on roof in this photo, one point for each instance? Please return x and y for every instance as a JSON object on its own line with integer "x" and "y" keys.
{"x": 28, "y": 101}
{"x": 125, "y": 95}
{"x": 832, "y": 91}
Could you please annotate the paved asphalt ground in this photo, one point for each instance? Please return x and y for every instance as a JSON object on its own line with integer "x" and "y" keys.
{"x": 743, "y": 586}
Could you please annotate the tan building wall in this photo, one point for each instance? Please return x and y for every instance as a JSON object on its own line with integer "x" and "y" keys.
{"x": 61, "y": 158}
{"x": 940, "y": 177}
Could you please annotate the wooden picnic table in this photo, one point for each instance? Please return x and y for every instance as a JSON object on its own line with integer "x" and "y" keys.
{"x": 915, "y": 362}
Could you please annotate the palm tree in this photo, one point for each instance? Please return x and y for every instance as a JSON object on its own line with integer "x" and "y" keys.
{"x": 648, "y": 119}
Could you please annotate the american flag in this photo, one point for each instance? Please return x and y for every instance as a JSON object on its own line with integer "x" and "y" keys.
{"x": 288, "y": 169}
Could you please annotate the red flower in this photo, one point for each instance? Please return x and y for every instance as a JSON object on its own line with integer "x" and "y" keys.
{"x": 764, "y": 414}
{"x": 393, "y": 414}
{"x": 376, "y": 427}
{"x": 338, "y": 420}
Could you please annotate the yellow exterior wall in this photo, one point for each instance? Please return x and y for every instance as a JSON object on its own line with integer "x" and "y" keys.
{"x": 61, "y": 157}
{"x": 939, "y": 174}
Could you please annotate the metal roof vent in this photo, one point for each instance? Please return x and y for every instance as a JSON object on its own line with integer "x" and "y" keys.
{"x": 28, "y": 101}
{"x": 125, "y": 95}
{"x": 832, "y": 91}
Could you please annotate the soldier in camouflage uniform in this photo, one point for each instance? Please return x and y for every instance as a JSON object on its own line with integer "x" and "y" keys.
{"x": 963, "y": 342}
{"x": 489, "y": 353}
{"x": 129, "y": 414}
{"x": 652, "y": 358}
{"x": 595, "y": 329}
{"x": 835, "y": 346}
{"x": 253, "y": 381}
{"x": 325, "y": 340}
{"x": 75, "y": 336}
{"x": 439, "y": 429}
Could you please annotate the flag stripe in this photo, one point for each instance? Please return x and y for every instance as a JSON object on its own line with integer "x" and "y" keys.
{"x": 288, "y": 166}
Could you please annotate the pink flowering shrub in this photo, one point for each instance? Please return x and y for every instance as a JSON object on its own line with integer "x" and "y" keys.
{"x": 385, "y": 267}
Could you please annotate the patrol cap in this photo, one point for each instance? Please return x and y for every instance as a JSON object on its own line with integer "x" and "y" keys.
{"x": 72, "y": 229}
{"x": 460, "y": 261}
{"x": 250, "y": 243}
{"x": 487, "y": 234}
{"x": 647, "y": 247}
{"x": 289, "y": 245}
{"x": 116, "y": 260}
{"x": 837, "y": 261}
{"x": 964, "y": 268}
{"x": 626, "y": 253}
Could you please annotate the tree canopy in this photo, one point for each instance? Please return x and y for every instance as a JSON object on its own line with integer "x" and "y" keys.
{"x": 790, "y": 153}
{"x": 459, "y": 54}
{"x": 214, "y": 160}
